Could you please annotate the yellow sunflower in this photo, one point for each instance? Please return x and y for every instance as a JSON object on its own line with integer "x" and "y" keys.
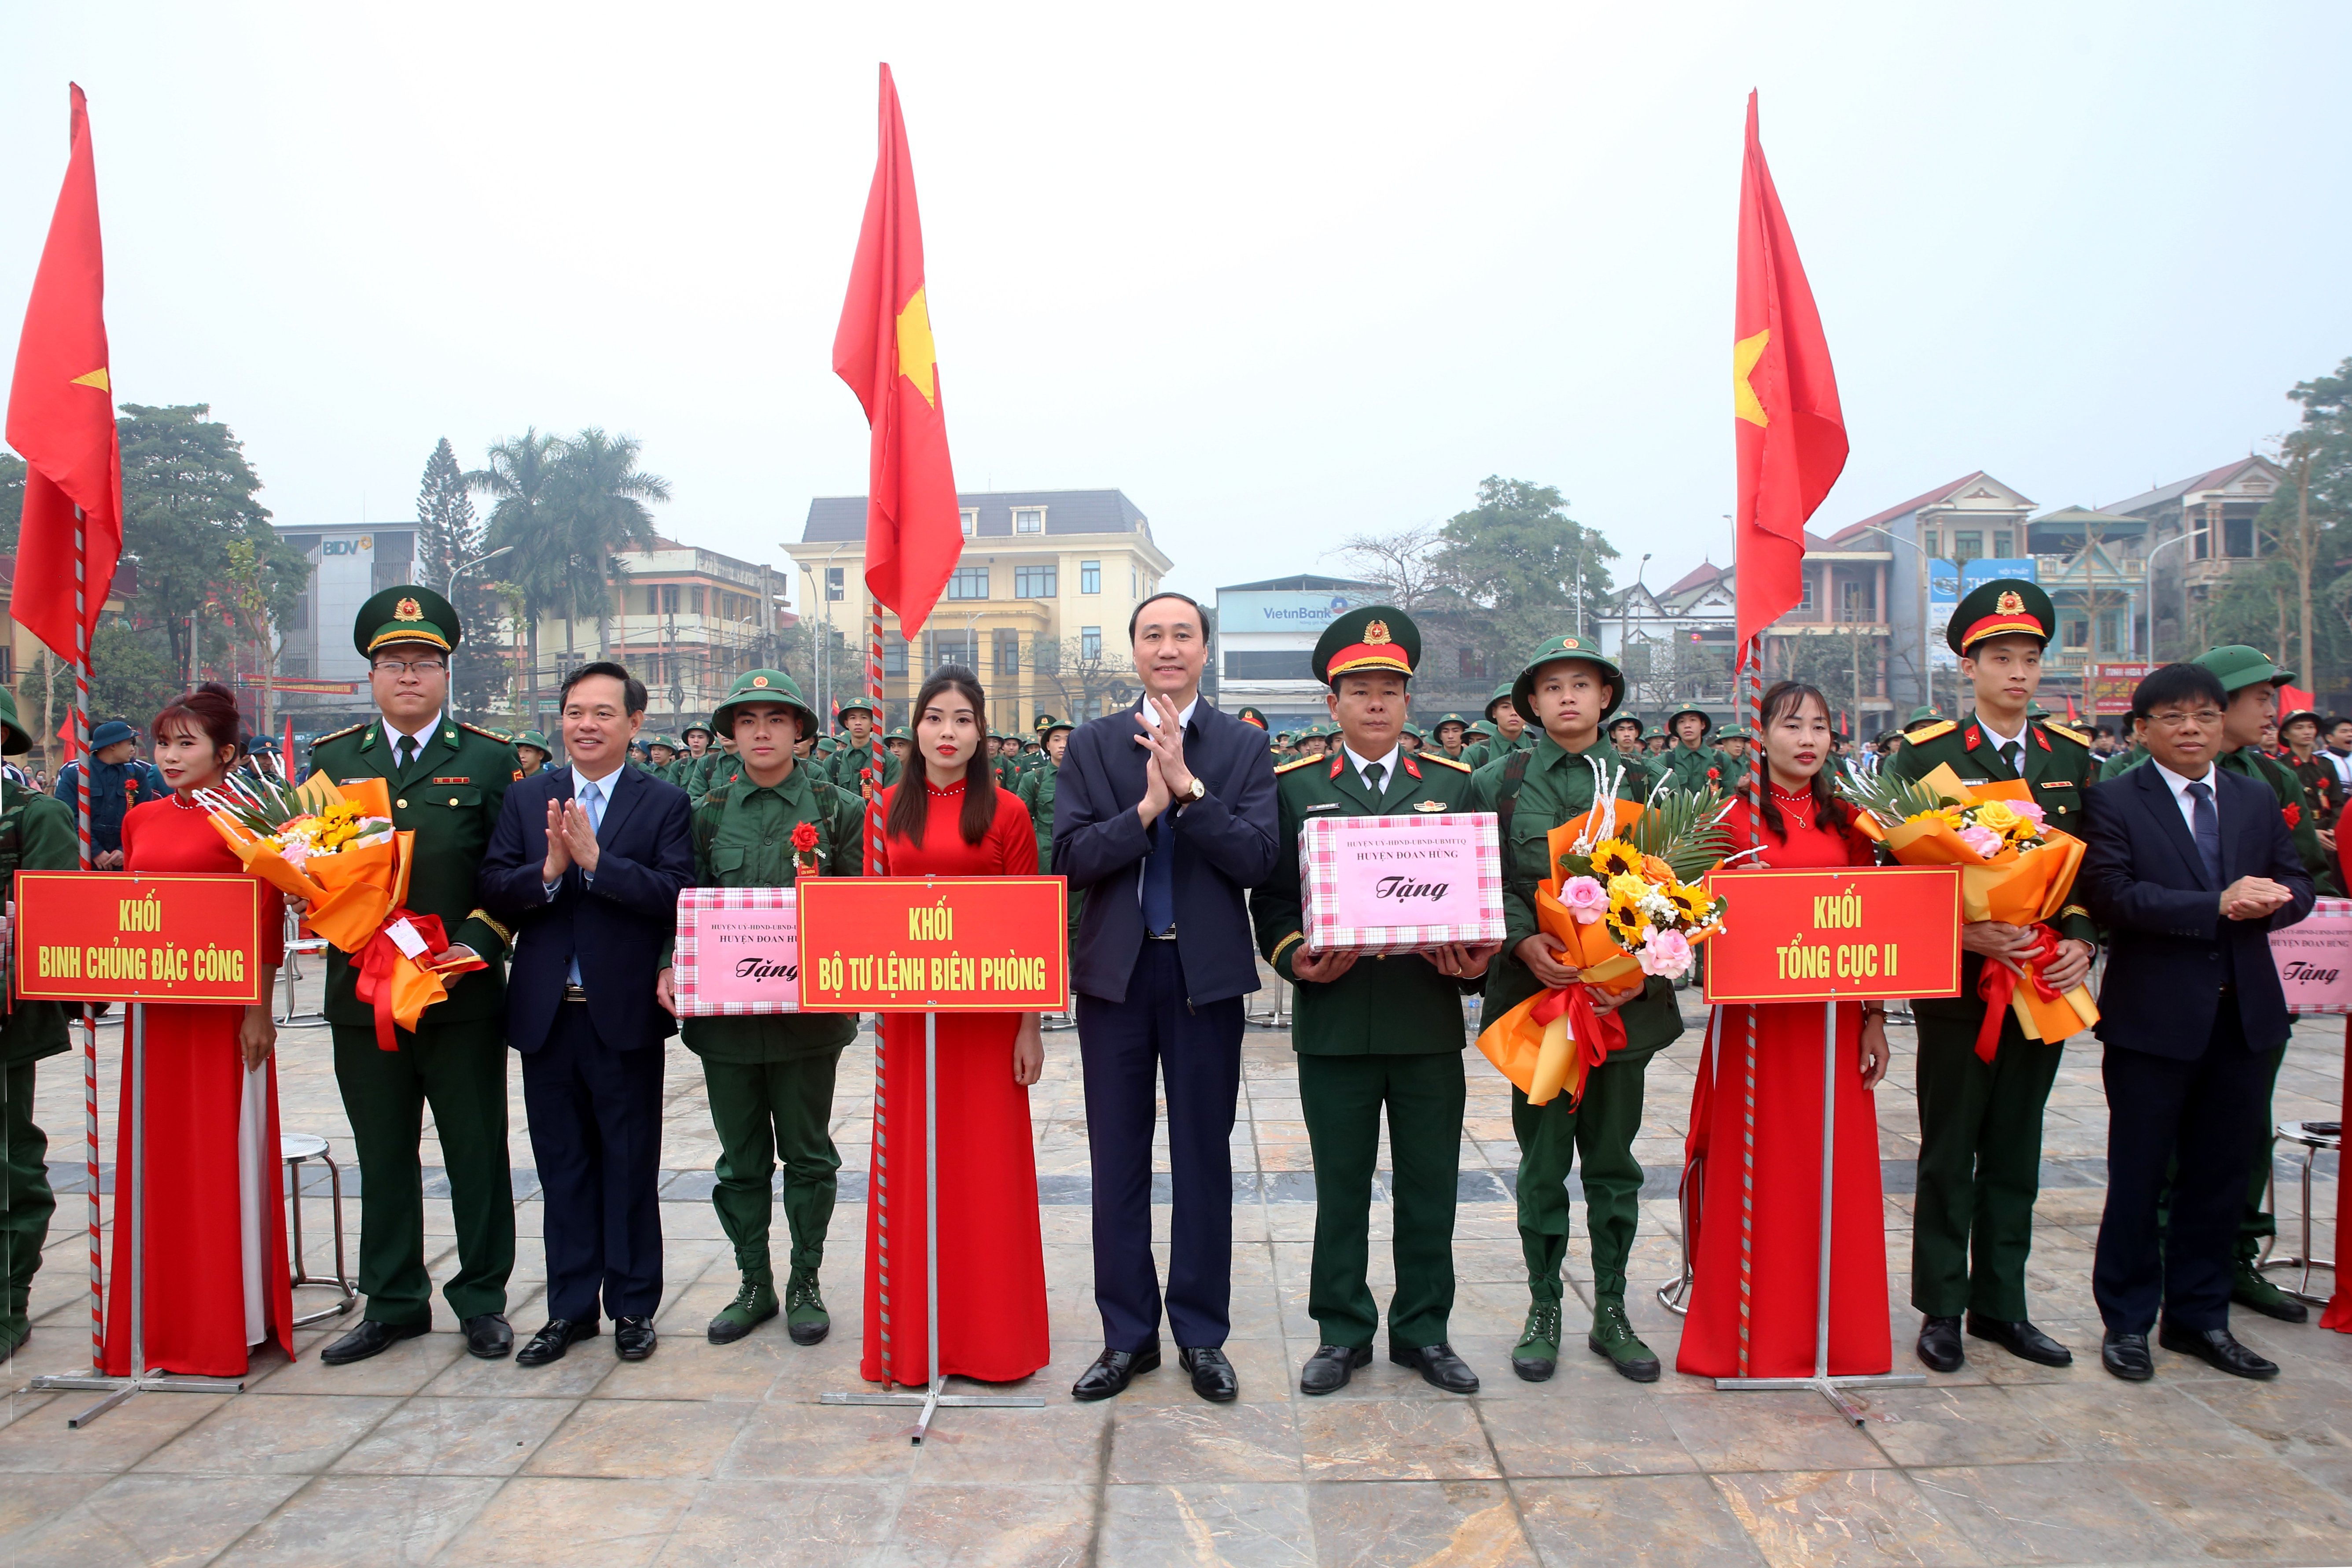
{"x": 1693, "y": 904}
{"x": 1615, "y": 857}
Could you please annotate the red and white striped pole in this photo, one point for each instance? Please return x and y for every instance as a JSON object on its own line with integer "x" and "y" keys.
{"x": 88, "y": 1017}
{"x": 1752, "y": 659}
{"x": 878, "y": 1178}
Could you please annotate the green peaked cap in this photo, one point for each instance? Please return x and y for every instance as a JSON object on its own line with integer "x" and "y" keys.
{"x": 2006, "y": 606}
{"x": 406, "y": 614}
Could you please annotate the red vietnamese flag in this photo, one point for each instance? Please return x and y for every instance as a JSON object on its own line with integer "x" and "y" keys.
{"x": 914, "y": 531}
{"x": 1784, "y": 401}
{"x": 61, "y": 417}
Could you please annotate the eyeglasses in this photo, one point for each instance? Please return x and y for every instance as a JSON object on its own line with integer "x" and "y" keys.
{"x": 407, "y": 667}
{"x": 2202, "y": 718}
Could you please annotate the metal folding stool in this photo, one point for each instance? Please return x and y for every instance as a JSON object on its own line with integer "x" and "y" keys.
{"x": 296, "y": 943}
{"x": 294, "y": 1150}
{"x": 2310, "y": 1138}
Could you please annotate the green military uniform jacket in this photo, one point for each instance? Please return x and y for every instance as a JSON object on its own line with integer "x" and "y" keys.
{"x": 1558, "y": 787}
{"x": 1638, "y": 765}
{"x": 2303, "y": 826}
{"x": 37, "y": 833}
{"x": 1686, "y": 768}
{"x": 449, "y": 795}
{"x": 1392, "y": 1004}
{"x": 1485, "y": 752}
{"x": 743, "y": 839}
{"x": 1037, "y": 792}
{"x": 845, "y": 764}
{"x": 2058, "y": 765}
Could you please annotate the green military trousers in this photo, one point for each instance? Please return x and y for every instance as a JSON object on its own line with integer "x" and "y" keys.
{"x": 1554, "y": 1139}
{"x": 1342, "y": 1098}
{"x": 25, "y": 1201}
{"x": 2259, "y": 1224}
{"x": 763, "y": 1111}
{"x": 1980, "y": 1167}
{"x": 460, "y": 1070}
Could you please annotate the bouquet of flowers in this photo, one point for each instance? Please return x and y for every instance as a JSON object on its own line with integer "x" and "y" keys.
{"x": 334, "y": 847}
{"x": 1624, "y": 901}
{"x": 2015, "y": 867}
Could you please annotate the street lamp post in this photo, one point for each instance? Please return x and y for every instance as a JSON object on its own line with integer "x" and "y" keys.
{"x": 2147, "y": 578}
{"x": 1625, "y": 612}
{"x": 449, "y": 592}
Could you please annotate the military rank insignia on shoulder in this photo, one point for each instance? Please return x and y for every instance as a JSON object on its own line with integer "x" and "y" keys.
{"x": 339, "y": 734}
{"x": 2061, "y": 731}
{"x": 485, "y": 734}
{"x": 1295, "y": 764}
{"x": 1926, "y": 732}
{"x": 1442, "y": 760}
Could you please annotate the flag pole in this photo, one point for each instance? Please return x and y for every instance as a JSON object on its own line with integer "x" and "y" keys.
{"x": 1752, "y": 658}
{"x": 89, "y": 1016}
{"x": 880, "y": 1175}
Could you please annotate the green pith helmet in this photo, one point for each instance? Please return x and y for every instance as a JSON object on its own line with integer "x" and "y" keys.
{"x": 15, "y": 742}
{"x": 855, "y": 705}
{"x": 2239, "y": 667}
{"x": 1414, "y": 730}
{"x": 2006, "y": 606}
{"x": 1619, "y": 722}
{"x": 709, "y": 734}
{"x": 1704, "y": 717}
{"x": 1250, "y": 716}
{"x": 1450, "y": 718}
{"x": 406, "y": 614}
{"x": 899, "y": 734}
{"x": 826, "y": 745}
{"x": 1732, "y": 732}
{"x": 1500, "y": 692}
{"x": 1929, "y": 715}
{"x": 669, "y": 741}
{"x": 533, "y": 738}
{"x": 1283, "y": 737}
{"x": 1477, "y": 727}
{"x": 1521, "y": 691}
{"x": 1375, "y": 637}
{"x": 763, "y": 685}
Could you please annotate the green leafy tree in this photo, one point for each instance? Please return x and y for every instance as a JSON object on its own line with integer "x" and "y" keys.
{"x": 449, "y": 535}
{"x": 188, "y": 495}
{"x": 11, "y": 497}
{"x": 533, "y": 581}
{"x": 599, "y": 496}
{"x": 1522, "y": 570}
{"x": 132, "y": 674}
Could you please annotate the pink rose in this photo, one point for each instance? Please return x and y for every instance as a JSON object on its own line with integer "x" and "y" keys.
{"x": 1585, "y": 899}
{"x": 1668, "y": 953}
{"x": 1983, "y": 840}
{"x": 2031, "y": 812}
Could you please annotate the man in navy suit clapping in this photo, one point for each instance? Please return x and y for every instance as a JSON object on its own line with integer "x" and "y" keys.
{"x": 2190, "y": 868}
{"x": 587, "y": 862}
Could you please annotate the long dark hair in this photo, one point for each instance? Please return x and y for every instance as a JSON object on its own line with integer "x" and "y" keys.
{"x": 209, "y": 710}
{"x": 1783, "y": 699}
{"x": 909, "y": 808}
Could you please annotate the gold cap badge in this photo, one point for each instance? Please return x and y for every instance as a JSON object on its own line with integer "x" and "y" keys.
{"x": 1376, "y": 633}
{"x": 2010, "y": 604}
{"x": 408, "y": 610}
{"x": 759, "y": 680}
{"x": 1570, "y": 642}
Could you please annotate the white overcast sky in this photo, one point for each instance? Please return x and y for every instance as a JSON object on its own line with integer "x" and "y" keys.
{"x": 1280, "y": 273}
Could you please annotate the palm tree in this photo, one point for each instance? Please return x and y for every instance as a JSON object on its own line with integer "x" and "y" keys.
{"x": 599, "y": 496}
{"x": 518, "y": 473}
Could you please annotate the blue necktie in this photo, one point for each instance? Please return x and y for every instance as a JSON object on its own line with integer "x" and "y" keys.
{"x": 1160, "y": 877}
{"x": 2208, "y": 824}
{"x": 591, "y": 801}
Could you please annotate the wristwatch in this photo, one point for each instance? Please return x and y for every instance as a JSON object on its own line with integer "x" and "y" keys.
{"x": 1199, "y": 791}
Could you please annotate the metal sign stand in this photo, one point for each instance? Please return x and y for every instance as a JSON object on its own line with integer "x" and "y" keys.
{"x": 934, "y": 1397}
{"x": 141, "y": 1380}
{"x": 1829, "y": 1388}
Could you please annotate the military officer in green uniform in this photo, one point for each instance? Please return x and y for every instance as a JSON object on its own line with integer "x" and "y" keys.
{"x": 446, "y": 781}
{"x": 531, "y": 749}
{"x": 1254, "y": 716}
{"x": 1979, "y": 1123}
{"x": 1690, "y": 762}
{"x": 37, "y": 833}
{"x": 1374, "y": 1033}
{"x": 1571, "y": 689}
{"x": 770, "y": 1076}
{"x": 2251, "y": 681}
{"x": 1036, "y": 790}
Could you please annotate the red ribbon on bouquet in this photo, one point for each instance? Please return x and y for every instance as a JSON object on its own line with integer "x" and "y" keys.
{"x": 381, "y": 978}
{"x": 1997, "y": 984}
{"x": 1595, "y": 1034}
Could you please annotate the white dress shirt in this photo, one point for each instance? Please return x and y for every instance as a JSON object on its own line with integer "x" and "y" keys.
{"x": 2001, "y": 740}
{"x": 423, "y": 738}
{"x": 1388, "y": 766}
{"x": 580, "y": 779}
{"x": 1183, "y": 722}
{"x": 2178, "y": 784}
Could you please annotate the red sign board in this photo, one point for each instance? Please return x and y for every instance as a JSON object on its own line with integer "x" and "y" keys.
{"x": 934, "y": 944}
{"x": 1807, "y": 936}
{"x": 2110, "y": 685}
{"x": 114, "y": 936}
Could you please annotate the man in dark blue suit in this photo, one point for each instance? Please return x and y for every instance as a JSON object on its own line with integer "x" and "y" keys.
{"x": 1165, "y": 814}
{"x": 2190, "y": 868}
{"x": 587, "y": 863}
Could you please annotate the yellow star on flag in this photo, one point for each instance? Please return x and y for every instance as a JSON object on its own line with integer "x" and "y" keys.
{"x": 1745, "y": 403}
{"x": 96, "y": 378}
{"x": 916, "y": 360}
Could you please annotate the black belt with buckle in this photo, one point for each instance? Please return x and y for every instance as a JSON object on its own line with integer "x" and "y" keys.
{"x": 1168, "y": 935}
{"x": 575, "y": 994}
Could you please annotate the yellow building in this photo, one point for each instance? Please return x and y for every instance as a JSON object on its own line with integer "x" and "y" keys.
{"x": 1038, "y": 605}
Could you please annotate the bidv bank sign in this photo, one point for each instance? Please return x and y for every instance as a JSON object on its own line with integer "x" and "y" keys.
{"x": 1254, "y": 611}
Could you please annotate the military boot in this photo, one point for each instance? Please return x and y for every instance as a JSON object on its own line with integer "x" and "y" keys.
{"x": 805, "y": 1315}
{"x": 754, "y": 1303}
{"x": 1613, "y": 1337}
{"x": 2250, "y": 1288}
{"x": 1536, "y": 1354}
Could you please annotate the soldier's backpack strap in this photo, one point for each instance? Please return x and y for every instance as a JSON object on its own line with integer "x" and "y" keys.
{"x": 1507, "y": 800}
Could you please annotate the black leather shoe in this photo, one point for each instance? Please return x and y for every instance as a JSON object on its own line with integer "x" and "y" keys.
{"x": 2020, "y": 1339}
{"x": 2216, "y": 1348}
{"x": 1940, "y": 1344}
{"x": 550, "y": 1343}
{"x": 2127, "y": 1356}
{"x": 371, "y": 1338}
{"x": 633, "y": 1338}
{"x": 1112, "y": 1370}
{"x": 489, "y": 1336}
{"x": 1213, "y": 1377}
{"x": 1330, "y": 1368}
{"x": 1438, "y": 1365}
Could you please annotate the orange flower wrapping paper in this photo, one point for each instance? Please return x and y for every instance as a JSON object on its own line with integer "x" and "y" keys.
{"x": 2016, "y": 886}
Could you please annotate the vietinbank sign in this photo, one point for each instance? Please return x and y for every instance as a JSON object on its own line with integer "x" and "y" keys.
{"x": 1267, "y": 612}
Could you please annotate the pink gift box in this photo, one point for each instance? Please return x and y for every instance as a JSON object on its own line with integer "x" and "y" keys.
{"x": 739, "y": 951}
{"x": 1400, "y": 884}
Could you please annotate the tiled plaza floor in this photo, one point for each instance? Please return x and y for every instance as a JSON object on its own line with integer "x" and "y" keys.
{"x": 719, "y": 1456}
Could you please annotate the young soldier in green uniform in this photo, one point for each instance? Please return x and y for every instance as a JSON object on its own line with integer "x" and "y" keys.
{"x": 1374, "y": 1032}
{"x": 1510, "y": 726}
{"x": 1036, "y": 789}
{"x": 1690, "y": 762}
{"x": 1452, "y": 734}
{"x": 1624, "y": 733}
{"x": 861, "y": 748}
{"x": 1476, "y": 736}
{"x": 1311, "y": 741}
{"x": 900, "y": 744}
{"x": 1979, "y": 1123}
{"x": 1571, "y": 689}
{"x": 37, "y": 833}
{"x": 2251, "y": 681}
{"x": 770, "y": 1076}
{"x": 446, "y": 781}
{"x": 531, "y": 749}
{"x": 1732, "y": 741}
{"x": 683, "y": 773}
